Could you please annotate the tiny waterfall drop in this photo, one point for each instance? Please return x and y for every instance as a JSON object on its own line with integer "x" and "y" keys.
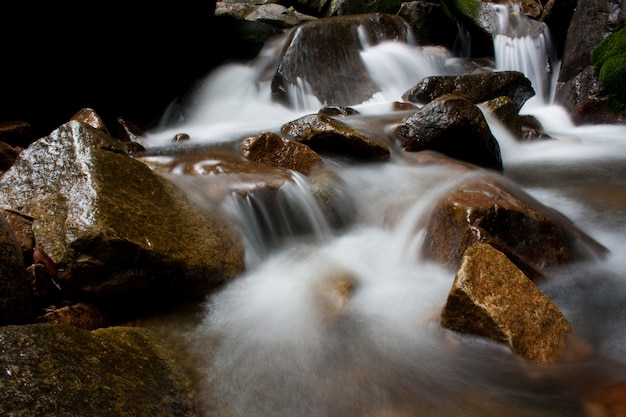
{"x": 271, "y": 218}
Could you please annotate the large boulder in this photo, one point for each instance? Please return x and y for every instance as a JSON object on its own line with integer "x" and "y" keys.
{"x": 492, "y": 210}
{"x": 65, "y": 371}
{"x": 578, "y": 88}
{"x": 120, "y": 235}
{"x": 326, "y": 133}
{"x": 492, "y": 298}
{"x": 453, "y": 126}
{"x": 476, "y": 88}
{"x": 324, "y": 55}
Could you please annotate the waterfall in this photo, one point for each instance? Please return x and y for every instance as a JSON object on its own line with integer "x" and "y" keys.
{"x": 270, "y": 219}
{"x": 329, "y": 322}
{"x": 525, "y": 45}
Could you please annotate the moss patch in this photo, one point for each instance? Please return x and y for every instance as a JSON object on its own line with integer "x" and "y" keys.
{"x": 609, "y": 64}
{"x": 469, "y": 8}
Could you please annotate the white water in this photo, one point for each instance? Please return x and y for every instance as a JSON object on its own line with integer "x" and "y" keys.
{"x": 281, "y": 341}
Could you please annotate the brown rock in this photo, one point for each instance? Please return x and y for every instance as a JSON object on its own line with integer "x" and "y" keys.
{"x": 101, "y": 220}
{"x": 491, "y": 297}
{"x": 504, "y": 111}
{"x": 325, "y": 54}
{"x": 476, "y": 88}
{"x": 271, "y": 149}
{"x": 495, "y": 211}
{"x": 53, "y": 369}
{"x": 90, "y": 117}
{"x": 81, "y": 315}
{"x": 328, "y": 135}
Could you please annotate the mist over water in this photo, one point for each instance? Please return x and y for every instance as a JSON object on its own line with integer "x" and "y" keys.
{"x": 345, "y": 323}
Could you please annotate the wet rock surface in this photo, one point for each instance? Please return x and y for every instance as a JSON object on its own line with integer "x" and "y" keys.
{"x": 453, "y": 126}
{"x": 53, "y": 369}
{"x": 491, "y": 297}
{"x": 98, "y": 215}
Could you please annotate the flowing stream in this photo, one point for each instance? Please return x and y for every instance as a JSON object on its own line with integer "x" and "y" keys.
{"x": 276, "y": 342}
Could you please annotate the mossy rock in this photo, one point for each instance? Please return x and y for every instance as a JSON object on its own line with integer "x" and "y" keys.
{"x": 609, "y": 64}
{"x": 469, "y": 8}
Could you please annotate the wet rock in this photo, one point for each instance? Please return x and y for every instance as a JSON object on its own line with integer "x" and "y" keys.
{"x": 494, "y": 211}
{"x": 278, "y": 15}
{"x": 271, "y": 149}
{"x": 121, "y": 236}
{"x": 577, "y": 88}
{"x": 82, "y": 315}
{"x": 606, "y": 399}
{"x": 90, "y": 117}
{"x": 504, "y": 111}
{"x": 325, "y": 55}
{"x": 476, "y": 88}
{"x": 126, "y": 131}
{"x": 453, "y": 126}
{"x": 329, "y": 135}
{"x": 491, "y": 297}
{"x": 22, "y": 227}
{"x": 16, "y": 305}
{"x": 329, "y": 192}
{"x": 51, "y": 369}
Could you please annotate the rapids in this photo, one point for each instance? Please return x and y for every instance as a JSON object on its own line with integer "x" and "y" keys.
{"x": 276, "y": 343}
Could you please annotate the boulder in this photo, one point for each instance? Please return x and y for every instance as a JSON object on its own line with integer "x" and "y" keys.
{"x": 491, "y": 297}
{"x": 504, "y": 111}
{"x": 53, "y": 369}
{"x": 578, "y": 89}
{"x": 476, "y": 88}
{"x": 326, "y": 134}
{"x": 271, "y": 149}
{"x": 492, "y": 210}
{"x": 120, "y": 235}
{"x": 453, "y": 126}
{"x": 324, "y": 55}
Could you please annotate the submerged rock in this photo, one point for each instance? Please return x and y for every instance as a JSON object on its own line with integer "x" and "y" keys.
{"x": 52, "y": 369}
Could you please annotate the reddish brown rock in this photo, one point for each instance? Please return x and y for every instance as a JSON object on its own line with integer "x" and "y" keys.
{"x": 491, "y": 297}
{"x": 90, "y": 117}
{"x": 328, "y": 135}
{"x": 495, "y": 211}
{"x": 271, "y": 149}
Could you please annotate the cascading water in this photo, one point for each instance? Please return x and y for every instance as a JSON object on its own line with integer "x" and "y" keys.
{"x": 344, "y": 322}
{"x": 525, "y": 45}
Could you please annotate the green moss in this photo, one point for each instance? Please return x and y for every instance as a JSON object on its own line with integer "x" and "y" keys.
{"x": 469, "y": 8}
{"x": 609, "y": 64}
